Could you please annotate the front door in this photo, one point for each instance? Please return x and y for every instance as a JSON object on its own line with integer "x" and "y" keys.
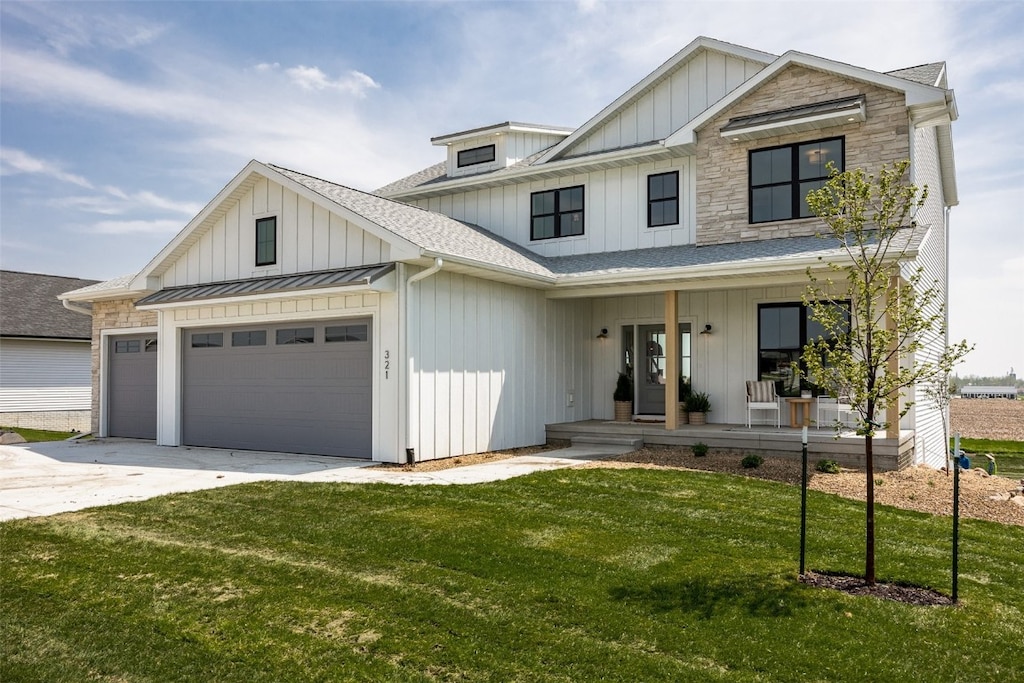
{"x": 649, "y": 375}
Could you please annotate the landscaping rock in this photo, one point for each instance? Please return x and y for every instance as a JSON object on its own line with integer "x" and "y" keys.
{"x": 9, "y": 438}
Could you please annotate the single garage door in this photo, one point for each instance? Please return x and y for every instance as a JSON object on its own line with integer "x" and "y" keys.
{"x": 295, "y": 388}
{"x": 131, "y": 386}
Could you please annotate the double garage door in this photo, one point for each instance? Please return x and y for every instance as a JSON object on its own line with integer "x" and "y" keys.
{"x": 295, "y": 388}
{"x": 298, "y": 387}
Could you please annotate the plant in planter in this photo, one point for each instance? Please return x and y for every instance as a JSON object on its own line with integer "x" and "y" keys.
{"x": 623, "y": 398}
{"x": 699, "y": 405}
{"x": 684, "y": 395}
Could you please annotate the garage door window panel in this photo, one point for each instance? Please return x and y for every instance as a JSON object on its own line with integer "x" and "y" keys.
{"x": 295, "y": 335}
{"x": 249, "y": 338}
{"x": 207, "y": 340}
{"x": 346, "y": 333}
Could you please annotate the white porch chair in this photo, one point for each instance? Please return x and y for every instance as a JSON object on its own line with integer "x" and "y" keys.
{"x": 761, "y": 396}
{"x": 833, "y": 411}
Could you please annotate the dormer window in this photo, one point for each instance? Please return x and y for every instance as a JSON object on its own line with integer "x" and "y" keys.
{"x": 476, "y": 155}
{"x": 266, "y": 241}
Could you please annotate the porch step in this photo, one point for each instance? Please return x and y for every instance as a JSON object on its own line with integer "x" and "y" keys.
{"x": 592, "y": 439}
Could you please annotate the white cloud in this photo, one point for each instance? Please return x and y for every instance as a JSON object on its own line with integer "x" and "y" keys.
{"x": 15, "y": 161}
{"x": 312, "y": 78}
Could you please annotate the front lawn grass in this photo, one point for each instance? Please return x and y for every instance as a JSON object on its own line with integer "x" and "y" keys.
{"x": 1009, "y": 455}
{"x": 37, "y": 435}
{"x": 575, "y": 575}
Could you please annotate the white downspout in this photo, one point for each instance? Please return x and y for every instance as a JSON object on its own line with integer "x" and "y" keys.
{"x": 76, "y": 308}
{"x": 410, "y": 450}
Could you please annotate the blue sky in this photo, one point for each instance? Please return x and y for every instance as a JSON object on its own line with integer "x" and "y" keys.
{"x": 119, "y": 121}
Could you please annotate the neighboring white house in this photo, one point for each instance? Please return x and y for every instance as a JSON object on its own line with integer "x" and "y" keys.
{"x": 45, "y": 369}
{"x": 465, "y": 307}
{"x": 971, "y": 391}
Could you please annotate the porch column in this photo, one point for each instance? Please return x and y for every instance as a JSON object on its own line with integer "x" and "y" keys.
{"x": 892, "y": 415}
{"x": 671, "y": 360}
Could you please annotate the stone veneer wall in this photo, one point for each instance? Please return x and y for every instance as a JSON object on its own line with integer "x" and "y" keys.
{"x": 722, "y": 176}
{"x": 53, "y": 420}
{"x": 107, "y": 315}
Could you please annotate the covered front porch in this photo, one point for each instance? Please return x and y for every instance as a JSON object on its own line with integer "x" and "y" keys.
{"x": 890, "y": 453}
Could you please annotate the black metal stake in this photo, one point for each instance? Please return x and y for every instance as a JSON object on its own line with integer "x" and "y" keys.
{"x": 803, "y": 504}
{"x": 956, "y": 515}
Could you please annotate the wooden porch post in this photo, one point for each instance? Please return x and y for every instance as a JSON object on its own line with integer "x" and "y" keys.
{"x": 671, "y": 360}
{"x": 892, "y": 415}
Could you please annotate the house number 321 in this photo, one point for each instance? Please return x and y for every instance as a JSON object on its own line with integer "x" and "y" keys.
{"x": 387, "y": 363}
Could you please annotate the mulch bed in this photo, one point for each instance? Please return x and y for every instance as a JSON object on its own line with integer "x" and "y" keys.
{"x": 856, "y": 585}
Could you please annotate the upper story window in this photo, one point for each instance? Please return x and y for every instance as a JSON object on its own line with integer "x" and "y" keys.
{"x": 476, "y": 155}
{"x": 663, "y": 199}
{"x": 266, "y": 241}
{"x": 781, "y": 177}
{"x": 556, "y": 213}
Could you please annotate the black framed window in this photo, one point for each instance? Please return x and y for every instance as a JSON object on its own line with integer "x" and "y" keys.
{"x": 477, "y": 155}
{"x": 781, "y": 177}
{"x": 266, "y": 241}
{"x": 296, "y": 335}
{"x": 207, "y": 340}
{"x": 662, "y": 199}
{"x": 249, "y": 338}
{"x": 346, "y": 333}
{"x": 556, "y": 213}
{"x": 782, "y": 331}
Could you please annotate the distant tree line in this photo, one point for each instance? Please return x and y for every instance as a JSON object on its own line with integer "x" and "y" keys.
{"x": 1007, "y": 380}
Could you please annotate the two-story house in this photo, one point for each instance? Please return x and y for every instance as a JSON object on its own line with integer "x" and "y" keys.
{"x": 465, "y": 307}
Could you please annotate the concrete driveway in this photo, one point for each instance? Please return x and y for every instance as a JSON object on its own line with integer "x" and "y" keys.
{"x": 61, "y": 476}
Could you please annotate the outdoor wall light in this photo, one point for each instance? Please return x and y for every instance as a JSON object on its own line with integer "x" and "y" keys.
{"x": 603, "y": 334}
{"x": 707, "y": 329}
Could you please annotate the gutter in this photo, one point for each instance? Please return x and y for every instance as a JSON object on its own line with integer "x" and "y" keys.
{"x": 410, "y": 450}
{"x": 76, "y": 308}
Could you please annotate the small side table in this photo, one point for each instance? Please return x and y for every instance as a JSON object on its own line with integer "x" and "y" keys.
{"x": 805, "y": 410}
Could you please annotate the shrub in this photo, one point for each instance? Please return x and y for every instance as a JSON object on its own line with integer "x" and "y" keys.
{"x": 827, "y": 466}
{"x": 698, "y": 402}
{"x": 751, "y": 460}
{"x": 623, "y": 388}
{"x": 700, "y": 449}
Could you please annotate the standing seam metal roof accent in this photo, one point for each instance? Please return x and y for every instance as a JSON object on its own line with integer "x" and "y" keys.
{"x": 277, "y": 283}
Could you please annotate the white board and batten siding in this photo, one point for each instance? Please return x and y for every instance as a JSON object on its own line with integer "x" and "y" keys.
{"x": 492, "y": 364}
{"x": 689, "y": 90}
{"x": 615, "y": 210}
{"x": 509, "y": 149}
{"x": 37, "y": 375}
{"x": 309, "y": 238}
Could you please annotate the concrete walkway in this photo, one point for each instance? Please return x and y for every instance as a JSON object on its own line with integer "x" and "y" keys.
{"x": 62, "y": 476}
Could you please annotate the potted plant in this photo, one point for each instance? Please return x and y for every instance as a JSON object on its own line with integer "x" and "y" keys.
{"x": 623, "y": 398}
{"x": 684, "y": 395}
{"x": 699, "y": 405}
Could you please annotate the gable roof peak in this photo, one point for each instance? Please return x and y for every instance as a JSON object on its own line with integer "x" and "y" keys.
{"x": 695, "y": 47}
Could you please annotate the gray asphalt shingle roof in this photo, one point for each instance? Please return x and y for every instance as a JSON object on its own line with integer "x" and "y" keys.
{"x": 430, "y": 231}
{"x": 925, "y": 74}
{"x": 29, "y": 307}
